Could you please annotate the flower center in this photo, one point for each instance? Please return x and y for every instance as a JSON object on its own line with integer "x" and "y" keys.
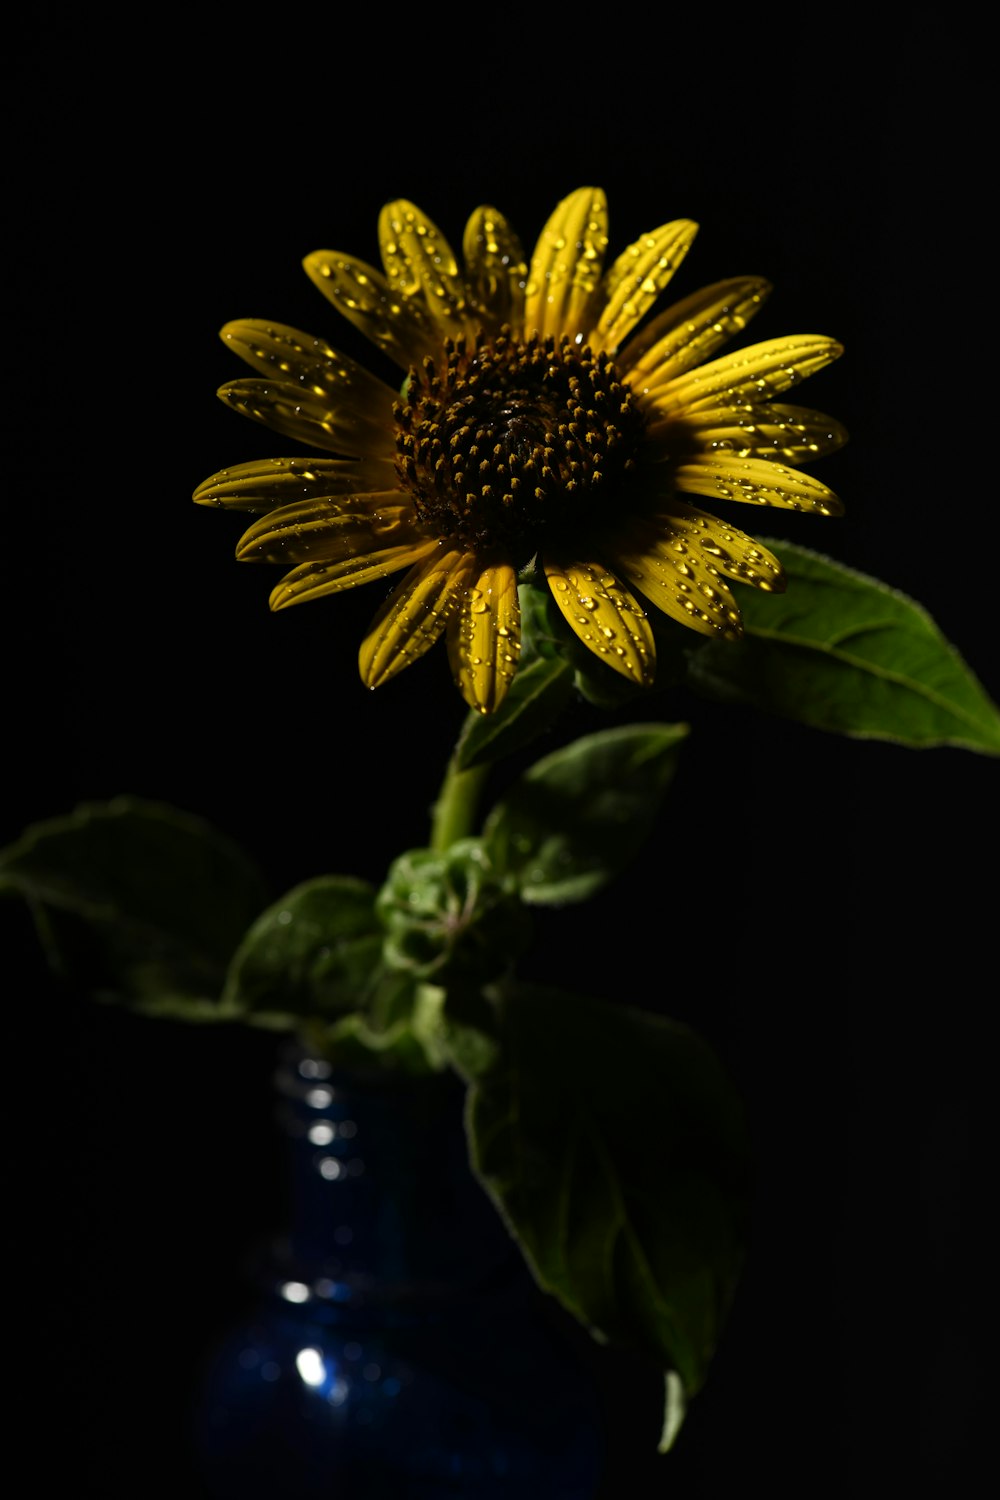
{"x": 510, "y": 440}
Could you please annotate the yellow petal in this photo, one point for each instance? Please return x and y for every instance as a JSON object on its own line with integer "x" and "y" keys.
{"x": 637, "y": 278}
{"x": 767, "y": 431}
{"x": 749, "y": 375}
{"x": 496, "y": 268}
{"x": 605, "y": 617}
{"x": 288, "y": 354}
{"x": 400, "y": 326}
{"x": 685, "y": 530}
{"x": 326, "y": 530}
{"x": 679, "y": 582}
{"x": 484, "y": 639}
{"x": 264, "y": 484}
{"x": 566, "y": 265}
{"x": 419, "y": 262}
{"x": 687, "y": 333}
{"x": 757, "y": 482}
{"x": 311, "y": 419}
{"x": 415, "y": 614}
{"x": 311, "y": 580}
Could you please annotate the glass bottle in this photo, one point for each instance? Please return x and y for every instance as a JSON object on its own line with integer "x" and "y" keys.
{"x": 399, "y": 1346}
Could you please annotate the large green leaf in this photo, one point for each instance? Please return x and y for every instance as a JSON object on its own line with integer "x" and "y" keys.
{"x": 613, "y": 1142}
{"x": 316, "y": 952}
{"x": 575, "y": 818}
{"x": 137, "y": 902}
{"x": 843, "y": 652}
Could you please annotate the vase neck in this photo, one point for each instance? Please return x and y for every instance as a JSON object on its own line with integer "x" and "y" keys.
{"x": 382, "y": 1199}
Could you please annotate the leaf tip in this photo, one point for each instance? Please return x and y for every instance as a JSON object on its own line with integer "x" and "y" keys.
{"x": 674, "y": 1411}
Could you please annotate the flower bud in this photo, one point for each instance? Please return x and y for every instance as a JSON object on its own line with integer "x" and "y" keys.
{"x": 448, "y": 917}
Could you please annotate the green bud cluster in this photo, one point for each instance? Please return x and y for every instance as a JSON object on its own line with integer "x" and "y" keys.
{"x": 449, "y": 918}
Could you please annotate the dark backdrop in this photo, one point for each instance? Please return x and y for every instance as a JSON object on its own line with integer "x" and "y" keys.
{"x": 815, "y": 906}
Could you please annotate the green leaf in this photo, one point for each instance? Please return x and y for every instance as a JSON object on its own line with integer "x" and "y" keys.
{"x": 614, "y": 1145}
{"x": 137, "y": 903}
{"x": 576, "y": 817}
{"x": 842, "y": 652}
{"x": 535, "y": 699}
{"x": 317, "y": 951}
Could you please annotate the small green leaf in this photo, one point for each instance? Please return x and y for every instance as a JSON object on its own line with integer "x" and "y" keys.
{"x": 842, "y": 652}
{"x": 535, "y": 699}
{"x": 136, "y": 902}
{"x": 577, "y": 817}
{"x": 674, "y": 1410}
{"x": 317, "y": 951}
{"x": 192, "y": 1011}
{"x": 614, "y": 1145}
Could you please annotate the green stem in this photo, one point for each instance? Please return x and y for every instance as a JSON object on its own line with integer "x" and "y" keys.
{"x": 454, "y": 813}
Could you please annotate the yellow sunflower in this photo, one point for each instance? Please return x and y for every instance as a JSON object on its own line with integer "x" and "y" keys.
{"x": 543, "y": 428}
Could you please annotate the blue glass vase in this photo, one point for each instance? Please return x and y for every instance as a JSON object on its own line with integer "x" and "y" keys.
{"x": 399, "y": 1347}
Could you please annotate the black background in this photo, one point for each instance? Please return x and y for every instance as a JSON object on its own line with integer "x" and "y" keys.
{"x": 816, "y": 907}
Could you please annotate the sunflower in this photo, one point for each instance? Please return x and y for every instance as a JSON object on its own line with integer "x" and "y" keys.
{"x": 543, "y": 428}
